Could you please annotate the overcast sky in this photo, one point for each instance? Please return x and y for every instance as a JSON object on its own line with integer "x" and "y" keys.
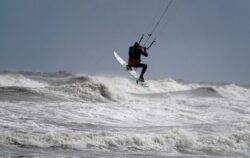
{"x": 204, "y": 40}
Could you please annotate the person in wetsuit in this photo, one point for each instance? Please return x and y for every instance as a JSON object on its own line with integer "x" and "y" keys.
{"x": 134, "y": 60}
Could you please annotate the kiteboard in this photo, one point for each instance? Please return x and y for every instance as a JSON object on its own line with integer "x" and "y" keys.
{"x": 131, "y": 71}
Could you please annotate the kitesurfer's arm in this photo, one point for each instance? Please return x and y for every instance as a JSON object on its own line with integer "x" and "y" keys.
{"x": 144, "y": 51}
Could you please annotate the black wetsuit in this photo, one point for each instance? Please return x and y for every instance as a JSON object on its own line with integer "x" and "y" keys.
{"x": 135, "y": 58}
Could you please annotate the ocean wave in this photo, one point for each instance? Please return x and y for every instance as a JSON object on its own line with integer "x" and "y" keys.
{"x": 202, "y": 92}
{"x": 49, "y": 112}
{"x": 37, "y": 73}
{"x": 86, "y": 91}
{"x": 174, "y": 140}
{"x": 101, "y": 88}
{"x": 19, "y": 80}
{"x": 13, "y": 93}
{"x": 61, "y": 87}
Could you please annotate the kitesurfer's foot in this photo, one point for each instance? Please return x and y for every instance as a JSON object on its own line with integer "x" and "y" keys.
{"x": 141, "y": 79}
{"x": 129, "y": 68}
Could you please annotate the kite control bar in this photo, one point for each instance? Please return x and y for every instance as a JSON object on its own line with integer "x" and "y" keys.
{"x": 142, "y": 37}
{"x": 151, "y": 44}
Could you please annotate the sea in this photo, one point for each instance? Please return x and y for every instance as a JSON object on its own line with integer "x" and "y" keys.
{"x": 63, "y": 114}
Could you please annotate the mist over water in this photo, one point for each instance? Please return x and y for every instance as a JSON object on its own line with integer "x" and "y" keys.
{"x": 76, "y": 115}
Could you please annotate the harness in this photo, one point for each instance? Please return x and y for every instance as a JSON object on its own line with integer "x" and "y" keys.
{"x": 133, "y": 61}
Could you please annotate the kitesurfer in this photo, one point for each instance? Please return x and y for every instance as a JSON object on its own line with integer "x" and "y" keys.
{"x": 134, "y": 60}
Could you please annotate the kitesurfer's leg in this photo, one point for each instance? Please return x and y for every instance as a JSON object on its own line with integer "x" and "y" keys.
{"x": 144, "y": 68}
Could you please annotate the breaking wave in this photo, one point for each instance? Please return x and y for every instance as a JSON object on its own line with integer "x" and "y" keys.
{"x": 174, "y": 140}
{"x": 79, "y": 112}
{"x": 66, "y": 86}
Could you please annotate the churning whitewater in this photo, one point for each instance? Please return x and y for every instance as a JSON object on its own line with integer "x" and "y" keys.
{"x": 75, "y": 115}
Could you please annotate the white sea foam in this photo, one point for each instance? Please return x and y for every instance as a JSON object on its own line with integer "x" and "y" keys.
{"x": 113, "y": 114}
{"x": 19, "y": 81}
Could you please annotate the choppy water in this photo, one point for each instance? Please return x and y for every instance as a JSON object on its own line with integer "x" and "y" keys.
{"x": 67, "y": 115}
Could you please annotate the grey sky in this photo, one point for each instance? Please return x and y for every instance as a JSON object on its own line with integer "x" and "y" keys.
{"x": 205, "y": 40}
